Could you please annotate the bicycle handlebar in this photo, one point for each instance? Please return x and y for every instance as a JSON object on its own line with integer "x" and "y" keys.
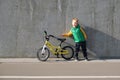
{"x": 48, "y": 36}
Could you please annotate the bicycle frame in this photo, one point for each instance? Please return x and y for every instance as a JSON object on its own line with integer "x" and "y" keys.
{"x": 48, "y": 48}
{"x": 54, "y": 49}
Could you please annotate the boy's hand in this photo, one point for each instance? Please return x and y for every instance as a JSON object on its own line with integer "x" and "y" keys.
{"x": 67, "y": 34}
{"x": 62, "y": 35}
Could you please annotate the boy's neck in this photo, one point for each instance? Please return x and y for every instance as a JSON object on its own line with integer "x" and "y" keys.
{"x": 76, "y": 26}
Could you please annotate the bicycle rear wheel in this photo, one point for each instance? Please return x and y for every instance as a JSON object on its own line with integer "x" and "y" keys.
{"x": 70, "y": 53}
{"x": 43, "y": 55}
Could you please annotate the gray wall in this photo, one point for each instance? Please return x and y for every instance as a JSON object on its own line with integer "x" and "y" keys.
{"x": 22, "y": 23}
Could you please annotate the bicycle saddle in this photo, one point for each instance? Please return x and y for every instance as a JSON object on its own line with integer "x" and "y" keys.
{"x": 61, "y": 39}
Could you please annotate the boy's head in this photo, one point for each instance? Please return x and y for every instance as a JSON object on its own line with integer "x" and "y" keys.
{"x": 74, "y": 22}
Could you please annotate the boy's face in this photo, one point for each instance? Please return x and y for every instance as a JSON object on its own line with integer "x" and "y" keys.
{"x": 74, "y": 23}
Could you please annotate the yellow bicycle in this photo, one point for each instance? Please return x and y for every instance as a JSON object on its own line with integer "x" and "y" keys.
{"x": 43, "y": 53}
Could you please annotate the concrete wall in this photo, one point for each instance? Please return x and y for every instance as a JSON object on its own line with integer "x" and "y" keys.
{"x": 22, "y": 23}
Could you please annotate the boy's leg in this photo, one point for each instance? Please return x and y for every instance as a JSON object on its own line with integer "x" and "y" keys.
{"x": 77, "y": 49}
{"x": 84, "y": 50}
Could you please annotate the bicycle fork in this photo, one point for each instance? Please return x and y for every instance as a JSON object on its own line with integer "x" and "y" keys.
{"x": 43, "y": 49}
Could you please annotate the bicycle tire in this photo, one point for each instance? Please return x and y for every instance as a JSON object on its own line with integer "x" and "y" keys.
{"x": 70, "y": 54}
{"x": 43, "y": 56}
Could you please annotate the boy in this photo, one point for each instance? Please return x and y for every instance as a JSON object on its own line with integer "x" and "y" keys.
{"x": 79, "y": 36}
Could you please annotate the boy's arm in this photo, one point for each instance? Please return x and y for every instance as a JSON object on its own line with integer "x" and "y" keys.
{"x": 67, "y": 34}
{"x": 84, "y": 33}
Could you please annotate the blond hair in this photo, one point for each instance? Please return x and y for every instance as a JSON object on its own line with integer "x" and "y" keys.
{"x": 76, "y": 19}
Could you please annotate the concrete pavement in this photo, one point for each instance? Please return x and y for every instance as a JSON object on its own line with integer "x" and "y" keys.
{"x": 58, "y": 69}
{"x": 4, "y": 60}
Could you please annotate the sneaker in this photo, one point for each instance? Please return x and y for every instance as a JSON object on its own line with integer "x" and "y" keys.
{"x": 75, "y": 60}
{"x": 86, "y": 59}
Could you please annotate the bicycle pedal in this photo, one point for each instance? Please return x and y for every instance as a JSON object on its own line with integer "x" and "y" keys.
{"x": 57, "y": 55}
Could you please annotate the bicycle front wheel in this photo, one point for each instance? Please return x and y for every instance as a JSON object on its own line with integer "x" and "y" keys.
{"x": 43, "y": 55}
{"x": 70, "y": 53}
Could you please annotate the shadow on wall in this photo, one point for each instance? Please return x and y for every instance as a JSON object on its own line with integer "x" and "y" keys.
{"x": 102, "y": 45}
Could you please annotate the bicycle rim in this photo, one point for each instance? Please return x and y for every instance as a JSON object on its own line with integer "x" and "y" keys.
{"x": 70, "y": 54}
{"x": 43, "y": 55}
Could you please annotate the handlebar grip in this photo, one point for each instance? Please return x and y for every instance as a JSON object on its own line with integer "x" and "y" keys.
{"x": 45, "y": 32}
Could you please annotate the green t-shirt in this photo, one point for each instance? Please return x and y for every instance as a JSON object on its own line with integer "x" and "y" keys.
{"x": 77, "y": 34}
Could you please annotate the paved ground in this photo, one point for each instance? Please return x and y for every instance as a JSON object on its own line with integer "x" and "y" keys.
{"x": 25, "y": 60}
{"x": 59, "y": 69}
